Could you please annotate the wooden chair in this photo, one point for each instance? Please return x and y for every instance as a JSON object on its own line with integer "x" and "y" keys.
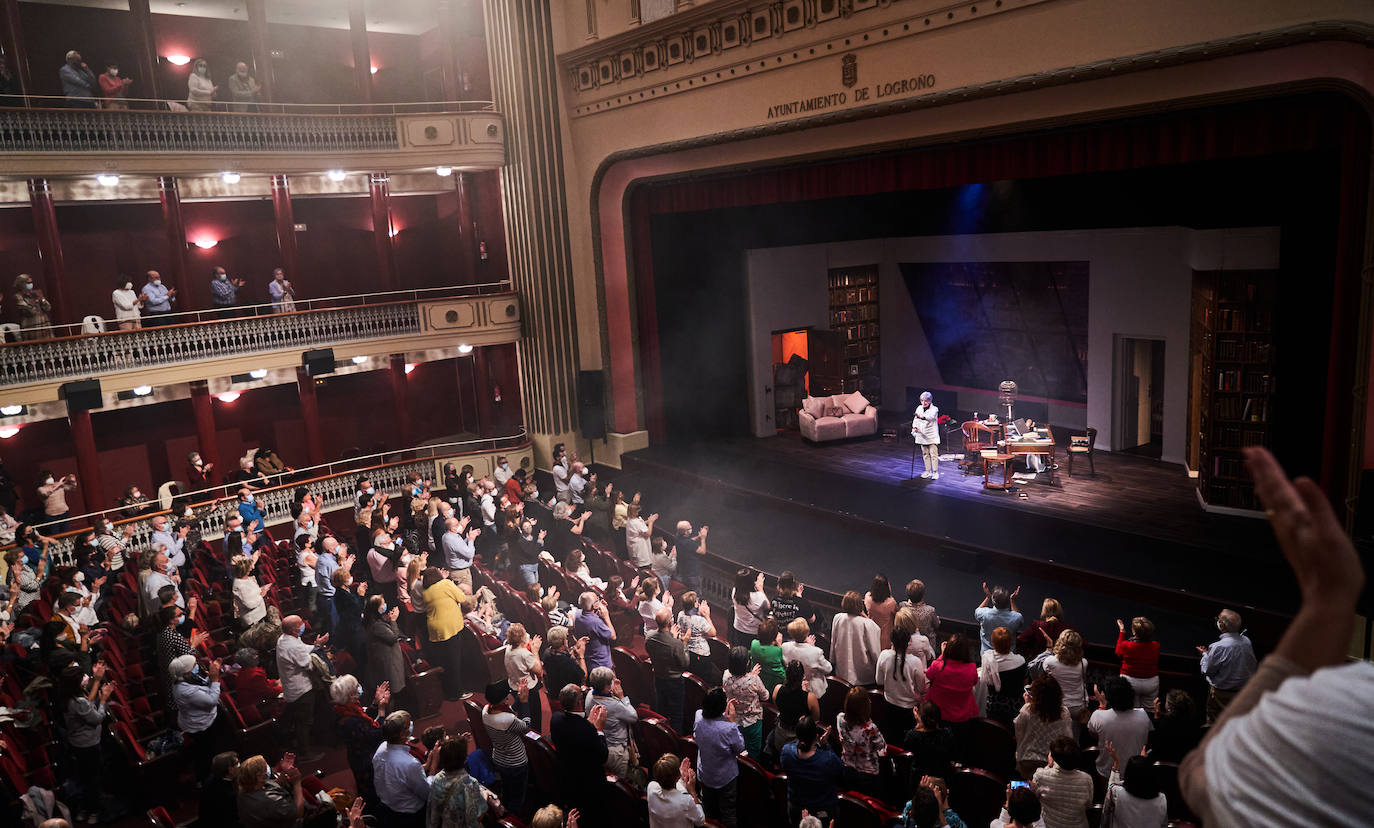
{"x": 720, "y": 653}
{"x": 976, "y": 438}
{"x": 977, "y": 795}
{"x": 654, "y": 738}
{"x": 543, "y": 770}
{"x": 480, "y": 736}
{"x": 1083, "y": 450}
{"x": 833, "y": 700}
{"x": 635, "y": 675}
{"x": 693, "y": 695}
{"x": 626, "y": 806}
{"x": 1088, "y": 764}
{"x": 754, "y": 795}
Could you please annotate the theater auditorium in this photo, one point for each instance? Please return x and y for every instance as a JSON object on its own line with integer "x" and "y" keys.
{"x": 664, "y": 413}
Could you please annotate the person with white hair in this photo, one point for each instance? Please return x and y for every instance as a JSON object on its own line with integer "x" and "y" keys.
{"x": 197, "y": 702}
{"x": 594, "y": 624}
{"x": 359, "y": 727}
{"x": 1227, "y": 664}
{"x": 620, "y": 717}
{"x": 925, "y": 430}
{"x": 565, "y": 531}
{"x": 689, "y": 548}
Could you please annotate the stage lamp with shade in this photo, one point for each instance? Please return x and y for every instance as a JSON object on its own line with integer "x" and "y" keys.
{"x": 12, "y": 410}
{"x": 178, "y": 60}
{"x": 337, "y": 175}
{"x": 444, "y": 171}
{"x": 227, "y": 396}
{"x": 410, "y": 366}
{"x": 230, "y": 177}
{"x": 205, "y": 243}
{"x": 464, "y": 349}
{"x": 7, "y": 432}
{"x": 108, "y": 180}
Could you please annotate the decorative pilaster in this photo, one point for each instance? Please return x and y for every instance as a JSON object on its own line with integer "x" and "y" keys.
{"x": 258, "y": 45}
{"x": 362, "y": 55}
{"x": 286, "y": 229}
{"x": 145, "y": 43}
{"x": 524, "y": 83}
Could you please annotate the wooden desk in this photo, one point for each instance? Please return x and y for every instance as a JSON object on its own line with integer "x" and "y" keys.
{"x": 1022, "y": 448}
{"x": 1005, "y": 460}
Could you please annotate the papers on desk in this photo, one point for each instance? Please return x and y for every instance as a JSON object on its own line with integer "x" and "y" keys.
{"x": 989, "y": 454}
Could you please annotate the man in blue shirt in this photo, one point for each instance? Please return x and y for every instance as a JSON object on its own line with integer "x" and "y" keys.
{"x": 157, "y": 297}
{"x": 224, "y": 292}
{"x": 1227, "y": 664}
{"x": 594, "y": 623}
{"x": 326, "y": 562}
{"x": 254, "y": 518}
{"x": 402, "y": 787}
{"x": 78, "y": 82}
{"x": 719, "y": 741}
{"x": 997, "y": 610}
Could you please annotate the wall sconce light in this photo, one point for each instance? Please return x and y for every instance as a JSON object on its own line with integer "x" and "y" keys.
{"x": 410, "y": 366}
{"x": 464, "y": 349}
{"x": 7, "y": 432}
{"x": 373, "y": 70}
{"x": 227, "y": 396}
{"x": 178, "y": 60}
{"x": 444, "y": 171}
{"x": 205, "y": 243}
{"x": 259, "y": 373}
{"x": 337, "y": 175}
{"x": 359, "y": 360}
{"x": 108, "y": 180}
{"x": 142, "y": 390}
{"x": 230, "y": 177}
{"x": 12, "y": 410}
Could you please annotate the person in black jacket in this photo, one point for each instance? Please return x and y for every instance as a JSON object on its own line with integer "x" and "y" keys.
{"x": 581, "y": 755}
{"x": 348, "y": 604}
{"x": 219, "y": 805}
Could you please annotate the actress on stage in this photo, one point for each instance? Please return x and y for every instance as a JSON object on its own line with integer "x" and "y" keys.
{"x": 925, "y": 430}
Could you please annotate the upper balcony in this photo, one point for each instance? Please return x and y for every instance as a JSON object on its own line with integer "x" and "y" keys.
{"x": 197, "y": 344}
{"x": 39, "y": 137}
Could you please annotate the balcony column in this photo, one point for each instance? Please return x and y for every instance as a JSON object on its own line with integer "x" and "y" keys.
{"x": 310, "y": 414}
{"x": 286, "y": 228}
{"x": 261, "y": 52}
{"x": 467, "y": 228}
{"x": 536, "y": 221}
{"x": 400, "y": 400}
{"x": 87, "y": 460}
{"x": 362, "y": 55}
{"x": 206, "y": 440}
{"x": 462, "y": 368}
{"x": 448, "y": 37}
{"x": 49, "y": 247}
{"x": 145, "y": 44}
{"x": 482, "y": 387}
{"x": 16, "y": 55}
{"x": 175, "y": 227}
{"x": 379, "y": 186}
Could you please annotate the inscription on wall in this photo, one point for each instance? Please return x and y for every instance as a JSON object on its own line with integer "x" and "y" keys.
{"x": 849, "y": 77}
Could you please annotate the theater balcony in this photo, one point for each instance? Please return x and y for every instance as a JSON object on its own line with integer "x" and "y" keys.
{"x": 190, "y": 346}
{"x": 40, "y": 138}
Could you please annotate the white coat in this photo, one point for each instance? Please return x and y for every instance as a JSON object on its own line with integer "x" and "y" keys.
{"x": 925, "y": 429}
{"x": 125, "y": 304}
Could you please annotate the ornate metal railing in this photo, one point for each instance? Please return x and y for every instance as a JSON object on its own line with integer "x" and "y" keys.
{"x": 331, "y": 483}
{"x": 70, "y": 358}
{"x": 109, "y": 130}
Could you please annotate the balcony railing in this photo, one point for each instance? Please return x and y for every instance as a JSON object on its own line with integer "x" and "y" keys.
{"x": 333, "y": 485}
{"x": 268, "y": 128}
{"x": 332, "y": 320}
{"x": 178, "y": 106}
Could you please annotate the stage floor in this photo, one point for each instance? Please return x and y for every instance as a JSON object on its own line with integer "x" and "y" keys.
{"x": 1136, "y": 521}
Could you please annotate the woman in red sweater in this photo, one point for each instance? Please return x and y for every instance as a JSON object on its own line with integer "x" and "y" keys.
{"x": 1139, "y": 656}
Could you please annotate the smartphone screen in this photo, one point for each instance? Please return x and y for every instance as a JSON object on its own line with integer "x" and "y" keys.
{"x": 1019, "y": 784}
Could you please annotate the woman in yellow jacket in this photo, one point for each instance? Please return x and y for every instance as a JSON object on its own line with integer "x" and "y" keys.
{"x": 444, "y": 612}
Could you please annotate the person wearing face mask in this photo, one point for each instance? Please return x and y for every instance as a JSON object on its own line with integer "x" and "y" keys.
{"x": 282, "y": 293}
{"x": 502, "y": 473}
{"x": 53, "y": 492}
{"x": 243, "y": 88}
{"x": 251, "y": 510}
{"x": 113, "y": 543}
{"x": 198, "y": 710}
{"x": 294, "y": 670}
{"x": 133, "y": 502}
{"x": 114, "y": 88}
{"x": 78, "y": 82}
{"x": 224, "y": 292}
{"x": 198, "y": 471}
{"x": 202, "y": 89}
{"x": 31, "y": 308}
{"x": 126, "y": 303}
{"x": 157, "y": 297}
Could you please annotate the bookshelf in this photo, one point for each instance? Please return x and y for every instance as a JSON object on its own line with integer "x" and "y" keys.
{"x": 854, "y": 317}
{"x": 1233, "y": 338}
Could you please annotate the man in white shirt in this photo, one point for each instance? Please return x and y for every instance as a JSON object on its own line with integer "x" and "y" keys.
{"x": 502, "y": 472}
{"x": 156, "y": 580}
{"x": 560, "y": 475}
{"x": 297, "y": 685}
{"x": 172, "y": 541}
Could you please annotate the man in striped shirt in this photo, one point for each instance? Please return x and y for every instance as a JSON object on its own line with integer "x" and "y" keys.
{"x": 115, "y": 543}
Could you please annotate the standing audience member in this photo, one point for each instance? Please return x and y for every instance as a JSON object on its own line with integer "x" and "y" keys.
{"x": 672, "y": 795}
{"x": 506, "y": 729}
{"x": 243, "y": 88}
{"x": 998, "y": 609}
{"x": 275, "y": 802}
{"x": 197, "y": 710}
{"x": 952, "y": 677}
{"x": 861, "y": 743}
{"x": 580, "y": 752}
{"x": 402, "y": 787}
{"x": 854, "y": 641}
{"x": 1001, "y": 678}
{"x": 1139, "y": 659}
{"x": 794, "y": 701}
{"x": 695, "y": 618}
{"x": 456, "y": 800}
{"x": 718, "y": 743}
{"x": 689, "y": 549}
{"x": 386, "y": 664}
{"x": 927, "y": 621}
{"x": 1068, "y": 667}
{"x": 444, "y": 616}
{"x": 53, "y": 492}
{"x": 881, "y": 607}
{"x": 113, "y": 88}
{"x": 1227, "y": 663}
{"x": 789, "y": 603}
{"x": 667, "y": 650}
{"x": 1133, "y": 798}
{"x": 649, "y": 603}
{"x": 157, "y": 297}
{"x": 1040, "y": 634}
{"x": 79, "y": 85}
{"x": 126, "y": 304}
{"x": 359, "y": 729}
{"x": 201, "y": 90}
{"x": 802, "y": 647}
{"x": 620, "y": 717}
{"x": 296, "y": 672}
{"x": 1022, "y": 810}
{"x": 218, "y": 806}
{"x": 813, "y": 773}
{"x": 31, "y": 309}
{"x": 930, "y": 744}
{"x": 1119, "y": 721}
{"x": 593, "y": 623}
{"x": 1065, "y": 792}
{"x": 224, "y": 291}
{"x": 766, "y": 651}
{"x": 901, "y": 675}
{"x": 750, "y": 605}
{"x": 1042, "y": 720}
{"x": 1178, "y": 726}
{"x": 564, "y": 663}
{"x": 84, "y": 711}
{"x": 524, "y": 667}
{"x": 746, "y": 692}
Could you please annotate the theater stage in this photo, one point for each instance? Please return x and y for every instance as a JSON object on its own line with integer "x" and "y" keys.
{"x": 1131, "y": 539}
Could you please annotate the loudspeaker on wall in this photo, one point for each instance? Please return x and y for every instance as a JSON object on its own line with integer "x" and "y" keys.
{"x": 81, "y": 395}
{"x": 591, "y": 404}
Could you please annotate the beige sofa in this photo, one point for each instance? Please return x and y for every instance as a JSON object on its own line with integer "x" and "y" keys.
{"x": 820, "y": 424}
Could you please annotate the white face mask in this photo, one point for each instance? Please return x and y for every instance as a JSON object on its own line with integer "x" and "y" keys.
{"x": 28, "y": 286}
{"x": 114, "y": 73}
{"x": 109, "y": 527}
{"x": 79, "y": 577}
{"x": 128, "y": 285}
{"x": 157, "y": 281}
{"x": 48, "y": 480}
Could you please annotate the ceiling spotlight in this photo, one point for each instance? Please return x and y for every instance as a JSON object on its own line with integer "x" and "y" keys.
{"x": 410, "y": 366}
{"x": 227, "y": 396}
{"x": 8, "y": 432}
{"x": 260, "y": 373}
{"x": 465, "y": 349}
{"x": 206, "y": 244}
{"x": 444, "y": 171}
{"x": 359, "y": 360}
{"x": 178, "y": 60}
{"x": 230, "y": 177}
{"x": 337, "y": 175}
{"x": 108, "y": 179}
{"x": 11, "y": 410}
{"x": 142, "y": 390}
